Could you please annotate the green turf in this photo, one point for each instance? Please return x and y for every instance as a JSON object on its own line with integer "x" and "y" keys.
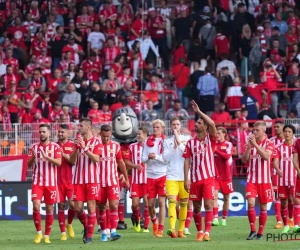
{"x": 20, "y": 234}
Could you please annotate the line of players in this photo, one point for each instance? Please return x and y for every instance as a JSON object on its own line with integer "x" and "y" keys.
{"x": 96, "y": 162}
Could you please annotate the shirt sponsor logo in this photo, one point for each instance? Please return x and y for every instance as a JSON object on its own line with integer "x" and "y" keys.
{"x": 223, "y": 147}
{"x": 281, "y": 195}
{"x": 107, "y": 158}
{"x": 68, "y": 148}
{"x": 111, "y": 151}
{"x": 298, "y": 194}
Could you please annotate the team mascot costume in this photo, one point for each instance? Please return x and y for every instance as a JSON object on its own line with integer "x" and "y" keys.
{"x": 124, "y": 130}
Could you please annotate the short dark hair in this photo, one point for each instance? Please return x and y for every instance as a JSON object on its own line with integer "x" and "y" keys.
{"x": 292, "y": 127}
{"x": 175, "y": 119}
{"x": 64, "y": 126}
{"x": 145, "y": 130}
{"x": 105, "y": 128}
{"x": 86, "y": 119}
{"x": 177, "y": 101}
{"x": 279, "y": 122}
{"x": 244, "y": 109}
{"x": 45, "y": 126}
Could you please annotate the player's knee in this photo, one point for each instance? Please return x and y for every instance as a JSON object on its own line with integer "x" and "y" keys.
{"x": 183, "y": 204}
{"x": 226, "y": 198}
{"x": 61, "y": 206}
{"x": 284, "y": 203}
{"x": 36, "y": 207}
{"x": 172, "y": 202}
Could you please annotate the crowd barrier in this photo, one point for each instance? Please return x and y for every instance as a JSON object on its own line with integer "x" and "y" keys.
{"x": 15, "y": 201}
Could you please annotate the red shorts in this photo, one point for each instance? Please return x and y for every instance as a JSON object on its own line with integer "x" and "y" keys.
{"x": 109, "y": 193}
{"x": 297, "y": 189}
{"x": 65, "y": 190}
{"x": 275, "y": 182}
{"x": 138, "y": 190}
{"x": 225, "y": 186}
{"x": 49, "y": 194}
{"x": 156, "y": 187}
{"x": 284, "y": 191}
{"x": 202, "y": 189}
{"x": 86, "y": 192}
{"x": 263, "y": 191}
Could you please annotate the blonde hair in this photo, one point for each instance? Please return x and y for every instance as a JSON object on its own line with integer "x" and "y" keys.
{"x": 161, "y": 122}
{"x": 222, "y": 129}
{"x": 260, "y": 123}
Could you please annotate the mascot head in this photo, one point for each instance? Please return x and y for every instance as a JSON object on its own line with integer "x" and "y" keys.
{"x": 124, "y": 125}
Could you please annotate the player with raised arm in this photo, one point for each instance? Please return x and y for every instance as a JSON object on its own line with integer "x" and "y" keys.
{"x": 138, "y": 187}
{"x": 44, "y": 157}
{"x": 199, "y": 159}
{"x": 277, "y": 139}
{"x": 223, "y": 181}
{"x": 296, "y": 160}
{"x": 110, "y": 160}
{"x": 64, "y": 182}
{"x": 156, "y": 176}
{"x": 173, "y": 148}
{"x": 86, "y": 178}
{"x": 259, "y": 154}
{"x": 283, "y": 164}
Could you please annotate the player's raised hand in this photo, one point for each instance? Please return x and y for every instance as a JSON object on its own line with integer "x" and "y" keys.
{"x": 195, "y": 106}
{"x": 81, "y": 142}
{"x": 151, "y": 156}
{"x": 252, "y": 140}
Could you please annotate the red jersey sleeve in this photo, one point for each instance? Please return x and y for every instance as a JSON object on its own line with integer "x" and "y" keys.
{"x": 97, "y": 149}
{"x": 57, "y": 152}
{"x": 187, "y": 151}
{"x": 119, "y": 154}
{"x": 270, "y": 146}
{"x": 276, "y": 153}
{"x": 30, "y": 152}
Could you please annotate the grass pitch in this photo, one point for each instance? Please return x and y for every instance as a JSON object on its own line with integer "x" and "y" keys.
{"x": 15, "y": 235}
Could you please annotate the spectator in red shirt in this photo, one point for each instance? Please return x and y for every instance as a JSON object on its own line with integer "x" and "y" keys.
{"x": 94, "y": 113}
{"x": 157, "y": 31}
{"x": 105, "y": 116}
{"x": 221, "y": 43}
{"x": 31, "y": 97}
{"x": 8, "y": 77}
{"x": 269, "y": 78}
{"x": 13, "y": 101}
{"x": 180, "y": 73}
{"x": 92, "y": 68}
{"x": 138, "y": 25}
{"x": 221, "y": 116}
{"x": 26, "y": 115}
{"x": 255, "y": 90}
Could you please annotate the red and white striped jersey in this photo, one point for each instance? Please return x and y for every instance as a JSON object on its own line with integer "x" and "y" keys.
{"x": 284, "y": 154}
{"x": 276, "y": 140}
{"x": 44, "y": 172}
{"x": 135, "y": 154}
{"x": 259, "y": 170}
{"x": 87, "y": 171}
{"x": 110, "y": 154}
{"x": 201, "y": 154}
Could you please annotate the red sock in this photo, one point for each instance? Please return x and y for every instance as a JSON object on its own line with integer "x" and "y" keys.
{"x": 161, "y": 227}
{"x": 97, "y": 215}
{"x": 216, "y": 212}
{"x": 154, "y": 220}
{"x": 209, "y": 215}
{"x": 114, "y": 219}
{"x": 82, "y": 218}
{"x": 262, "y": 221}
{"x": 136, "y": 213}
{"x": 102, "y": 220}
{"x": 198, "y": 221}
{"x": 108, "y": 225}
{"x": 71, "y": 215}
{"x": 188, "y": 219}
{"x": 37, "y": 220}
{"x": 91, "y": 220}
{"x": 284, "y": 215}
{"x": 252, "y": 218}
{"x": 49, "y": 222}
{"x": 146, "y": 217}
{"x": 277, "y": 210}
{"x": 121, "y": 210}
{"x": 296, "y": 215}
{"x": 291, "y": 210}
{"x": 224, "y": 214}
{"x": 61, "y": 220}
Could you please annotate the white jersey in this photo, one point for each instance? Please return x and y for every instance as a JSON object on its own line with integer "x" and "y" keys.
{"x": 175, "y": 169}
{"x": 156, "y": 168}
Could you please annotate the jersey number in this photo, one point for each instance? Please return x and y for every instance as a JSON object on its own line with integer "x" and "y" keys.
{"x": 268, "y": 193}
{"x": 94, "y": 190}
{"x": 229, "y": 185}
{"x": 53, "y": 195}
{"x": 116, "y": 190}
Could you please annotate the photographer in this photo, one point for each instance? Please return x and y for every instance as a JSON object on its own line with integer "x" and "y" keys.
{"x": 269, "y": 78}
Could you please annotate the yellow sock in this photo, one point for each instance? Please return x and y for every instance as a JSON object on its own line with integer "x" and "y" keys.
{"x": 182, "y": 215}
{"x": 172, "y": 213}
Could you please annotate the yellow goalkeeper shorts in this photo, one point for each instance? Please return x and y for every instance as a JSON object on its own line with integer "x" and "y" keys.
{"x": 175, "y": 188}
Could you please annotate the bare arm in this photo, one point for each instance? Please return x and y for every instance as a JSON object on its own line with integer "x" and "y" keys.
{"x": 68, "y": 158}
{"x": 265, "y": 154}
{"x": 246, "y": 155}
{"x": 296, "y": 163}
{"x": 122, "y": 168}
{"x": 187, "y": 182}
{"x": 94, "y": 157}
{"x": 73, "y": 156}
{"x": 54, "y": 161}
{"x": 30, "y": 161}
{"x": 276, "y": 166}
